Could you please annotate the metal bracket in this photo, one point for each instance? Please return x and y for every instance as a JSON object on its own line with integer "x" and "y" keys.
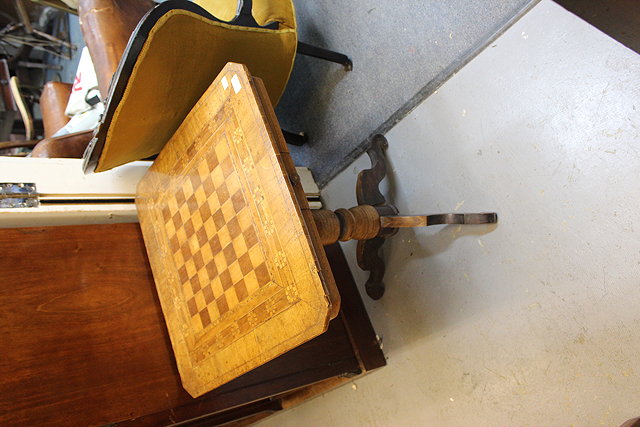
{"x": 18, "y": 195}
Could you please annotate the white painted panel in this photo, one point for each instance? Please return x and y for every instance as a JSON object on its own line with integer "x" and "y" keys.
{"x": 63, "y": 178}
{"x": 63, "y": 181}
{"x": 60, "y": 214}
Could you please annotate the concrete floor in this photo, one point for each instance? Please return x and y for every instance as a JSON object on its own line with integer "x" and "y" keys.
{"x": 534, "y": 321}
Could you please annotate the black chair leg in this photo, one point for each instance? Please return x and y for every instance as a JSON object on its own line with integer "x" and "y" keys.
{"x": 295, "y": 138}
{"x": 328, "y": 55}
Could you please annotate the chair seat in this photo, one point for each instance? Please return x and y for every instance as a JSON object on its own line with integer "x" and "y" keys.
{"x": 69, "y": 146}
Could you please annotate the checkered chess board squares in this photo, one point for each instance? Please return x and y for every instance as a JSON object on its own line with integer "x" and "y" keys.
{"x": 213, "y": 240}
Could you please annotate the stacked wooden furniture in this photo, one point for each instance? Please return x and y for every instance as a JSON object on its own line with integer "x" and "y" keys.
{"x": 259, "y": 316}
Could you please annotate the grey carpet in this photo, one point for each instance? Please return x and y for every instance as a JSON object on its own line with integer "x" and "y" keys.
{"x": 401, "y": 50}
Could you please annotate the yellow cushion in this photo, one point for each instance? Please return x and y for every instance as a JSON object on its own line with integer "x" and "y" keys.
{"x": 223, "y": 10}
{"x": 263, "y": 11}
{"x": 181, "y": 56}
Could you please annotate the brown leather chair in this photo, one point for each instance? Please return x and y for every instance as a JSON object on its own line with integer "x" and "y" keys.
{"x": 53, "y": 102}
{"x": 634, "y": 422}
{"x": 71, "y": 145}
{"x": 106, "y": 27}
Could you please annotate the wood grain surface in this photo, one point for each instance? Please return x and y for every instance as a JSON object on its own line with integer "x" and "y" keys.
{"x": 77, "y": 308}
{"x": 239, "y": 269}
{"x": 84, "y": 340}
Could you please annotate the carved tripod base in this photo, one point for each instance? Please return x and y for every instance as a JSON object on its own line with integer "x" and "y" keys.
{"x": 370, "y": 227}
{"x": 373, "y": 220}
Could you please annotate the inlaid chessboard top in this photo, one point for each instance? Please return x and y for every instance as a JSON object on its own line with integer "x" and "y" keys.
{"x": 240, "y": 272}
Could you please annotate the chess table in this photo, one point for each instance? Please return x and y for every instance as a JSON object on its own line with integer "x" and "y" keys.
{"x": 237, "y": 254}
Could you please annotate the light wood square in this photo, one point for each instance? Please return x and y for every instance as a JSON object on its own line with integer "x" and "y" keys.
{"x": 171, "y": 229}
{"x": 212, "y": 201}
{"x": 187, "y": 188}
{"x": 221, "y": 263}
{"x": 213, "y": 311}
{"x": 217, "y": 177}
{"x": 191, "y": 268}
{"x": 203, "y": 170}
{"x": 196, "y": 323}
{"x": 181, "y": 235}
{"x": 251, "y": 282}
{"x": 224, "y": 236}
{"x": 187, "y": 290}
{"x": 236, "y": 274}
{"x": 172, "y": 204}
{"x": 228, "y": 211}
{"x": 256, "y": 255}
{"x": 207, "y": 255}
{"x": 203, "y": 277}
{"x": 216, "y": 288}
{"x": 184, "y": 213}
{"x": 193, "y": 244}
{"x": 200, "y": 195}
{"x": 200, "y": 303}
{"x": 232, "y": 298}
{"x": 244, "y": 219}
{"x": 239, "y": 245}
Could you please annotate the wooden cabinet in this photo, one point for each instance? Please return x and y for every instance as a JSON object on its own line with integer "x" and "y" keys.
{"x": 84, "y": 341}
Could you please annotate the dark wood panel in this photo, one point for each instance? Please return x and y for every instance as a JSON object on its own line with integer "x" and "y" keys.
{"x": 84, "y": 341}
{"x": 353, "y": 313}
{"x": 619, "y": 19}
{"x": 84, "y": 338}
{"x": 326, "y": 356}
{"x": 251, "y": 412}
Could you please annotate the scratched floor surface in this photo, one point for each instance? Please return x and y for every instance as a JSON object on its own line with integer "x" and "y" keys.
{"x": 535, "y": 322}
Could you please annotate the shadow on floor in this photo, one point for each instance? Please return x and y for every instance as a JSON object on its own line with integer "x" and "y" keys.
{"x": 620, "y": 19}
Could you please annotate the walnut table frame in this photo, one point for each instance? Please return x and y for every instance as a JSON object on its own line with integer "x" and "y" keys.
{"x": 374, "y": 219}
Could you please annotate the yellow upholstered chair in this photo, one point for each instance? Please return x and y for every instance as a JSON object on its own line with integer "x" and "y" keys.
{"x": 175, "y": 53}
